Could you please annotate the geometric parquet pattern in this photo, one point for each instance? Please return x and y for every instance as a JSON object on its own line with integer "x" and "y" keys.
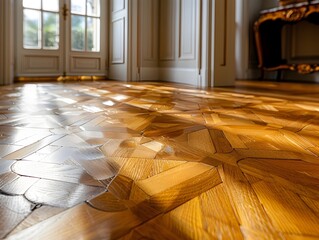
{"x": 115, "y": 160}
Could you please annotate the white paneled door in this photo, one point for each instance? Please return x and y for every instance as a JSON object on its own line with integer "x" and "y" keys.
{"x": 119, "y": 49}
{"x": 61, "y": 37}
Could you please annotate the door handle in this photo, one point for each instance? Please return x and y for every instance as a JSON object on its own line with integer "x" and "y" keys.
{"x": 65, "y": 11}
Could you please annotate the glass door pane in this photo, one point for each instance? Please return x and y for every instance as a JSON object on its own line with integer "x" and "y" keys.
{"x": 78, "y": 7}
{"x": 32, "y": 29}
{"x": 93, "y": 8}
{"x": 93, "y": 34}
{"x": 41, "y": 27}
{"x": 78, "y": 33}
{"x": 35, "y": 4}
{"x": 85, "y": 24}
{"x": 50, "y": 30}
{"x": 50, "y": 5}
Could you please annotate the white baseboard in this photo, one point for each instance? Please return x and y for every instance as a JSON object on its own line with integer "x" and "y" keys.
{"x": 118, "y": 72}
{"x": 149, "y": 74}
{"x": 179, "y": 75}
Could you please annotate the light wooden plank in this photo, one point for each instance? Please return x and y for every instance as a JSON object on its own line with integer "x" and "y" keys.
{"x": 201, "y": 140}
{"x": 252, "y": 217}
{"x": 8, "y": 149}
{"x": 7, "y": 178}
{"x": 5, "y": 165}
{"x": 38, "y": 215}
{"x": 218, "y": 216}
{"x": 107, "y": 202}
{"x": 19, "y": 185}
{"x": 300, "y": 220}
{"x": 313, "y": 204}
{"x": 296, "y": 175}
{"x": 163, "y": 181}
{"x": 81, "y": 221}
{"x": 190, "y": 224}
{"x": 121, "y": 187}
{"x": 13, "y": 209}
{"x": 61, "y": 194}
{"x": 140, "y": 168}
{"x": 58, "y": 172}
{"x": 220, "y": 141}
{"x": 99, "y": 169}
{"x": 175, "y": 186}
{"x": 25, "y": 151}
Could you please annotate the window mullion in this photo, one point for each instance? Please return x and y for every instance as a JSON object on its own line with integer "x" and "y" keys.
{"x": 41, "y": 26}
{"x": 42, "y": 32}
{"x": 86, "y": 27}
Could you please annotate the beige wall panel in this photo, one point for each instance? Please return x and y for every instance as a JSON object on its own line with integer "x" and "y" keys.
{"x": 167, "y": 29}
{"x": 118, "y": 5}
{"x": 86, "y": 64}
{"x": 118, "y": 41}
{"x": 149, "y": 38}
{"x": 187, "y": 38}
{"x": 40, "y": 64}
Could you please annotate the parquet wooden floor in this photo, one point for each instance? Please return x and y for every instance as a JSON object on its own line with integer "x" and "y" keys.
{"x": 112, "y": 160}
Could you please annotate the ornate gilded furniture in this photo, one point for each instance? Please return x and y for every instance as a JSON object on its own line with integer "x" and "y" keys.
{"x": 268, "y": 31}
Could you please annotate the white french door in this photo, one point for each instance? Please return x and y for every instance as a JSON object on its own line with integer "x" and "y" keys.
{"x": 61, "y": 38}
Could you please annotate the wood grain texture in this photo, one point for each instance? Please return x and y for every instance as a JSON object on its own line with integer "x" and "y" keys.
{"x": 61, "y": 194}
{"x": 302, "y": 220}
{"x": 81, "y": 221}
{"x": 38, "y": 215}
{"x": 303, "y": 181}
{"x": 218, "y": 216}
{"x": 170, "y": 189}
{"x": 252, "y": 217}
{"x": 114, "y": 160}
{"x": 19, "y": 185}
{"x": 58, "y": 172}
{"x": 13, "y": 210}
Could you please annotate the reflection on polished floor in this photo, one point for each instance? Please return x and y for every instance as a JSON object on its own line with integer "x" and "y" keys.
{"x": 112, "y": 160}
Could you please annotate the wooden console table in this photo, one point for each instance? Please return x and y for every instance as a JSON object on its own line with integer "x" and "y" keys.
{"x": 268, "y": 30}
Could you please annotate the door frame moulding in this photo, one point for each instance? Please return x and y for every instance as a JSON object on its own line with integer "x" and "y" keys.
{"x": 205, "y": 47}
{"x": 2, "y": 58}
{"x": 223, "y": 70}
{"x": 133, "y": 46}
{"x": 119, "y": 70}
{"x": 242, "y": 39}
{"x": 7, "y": 44}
